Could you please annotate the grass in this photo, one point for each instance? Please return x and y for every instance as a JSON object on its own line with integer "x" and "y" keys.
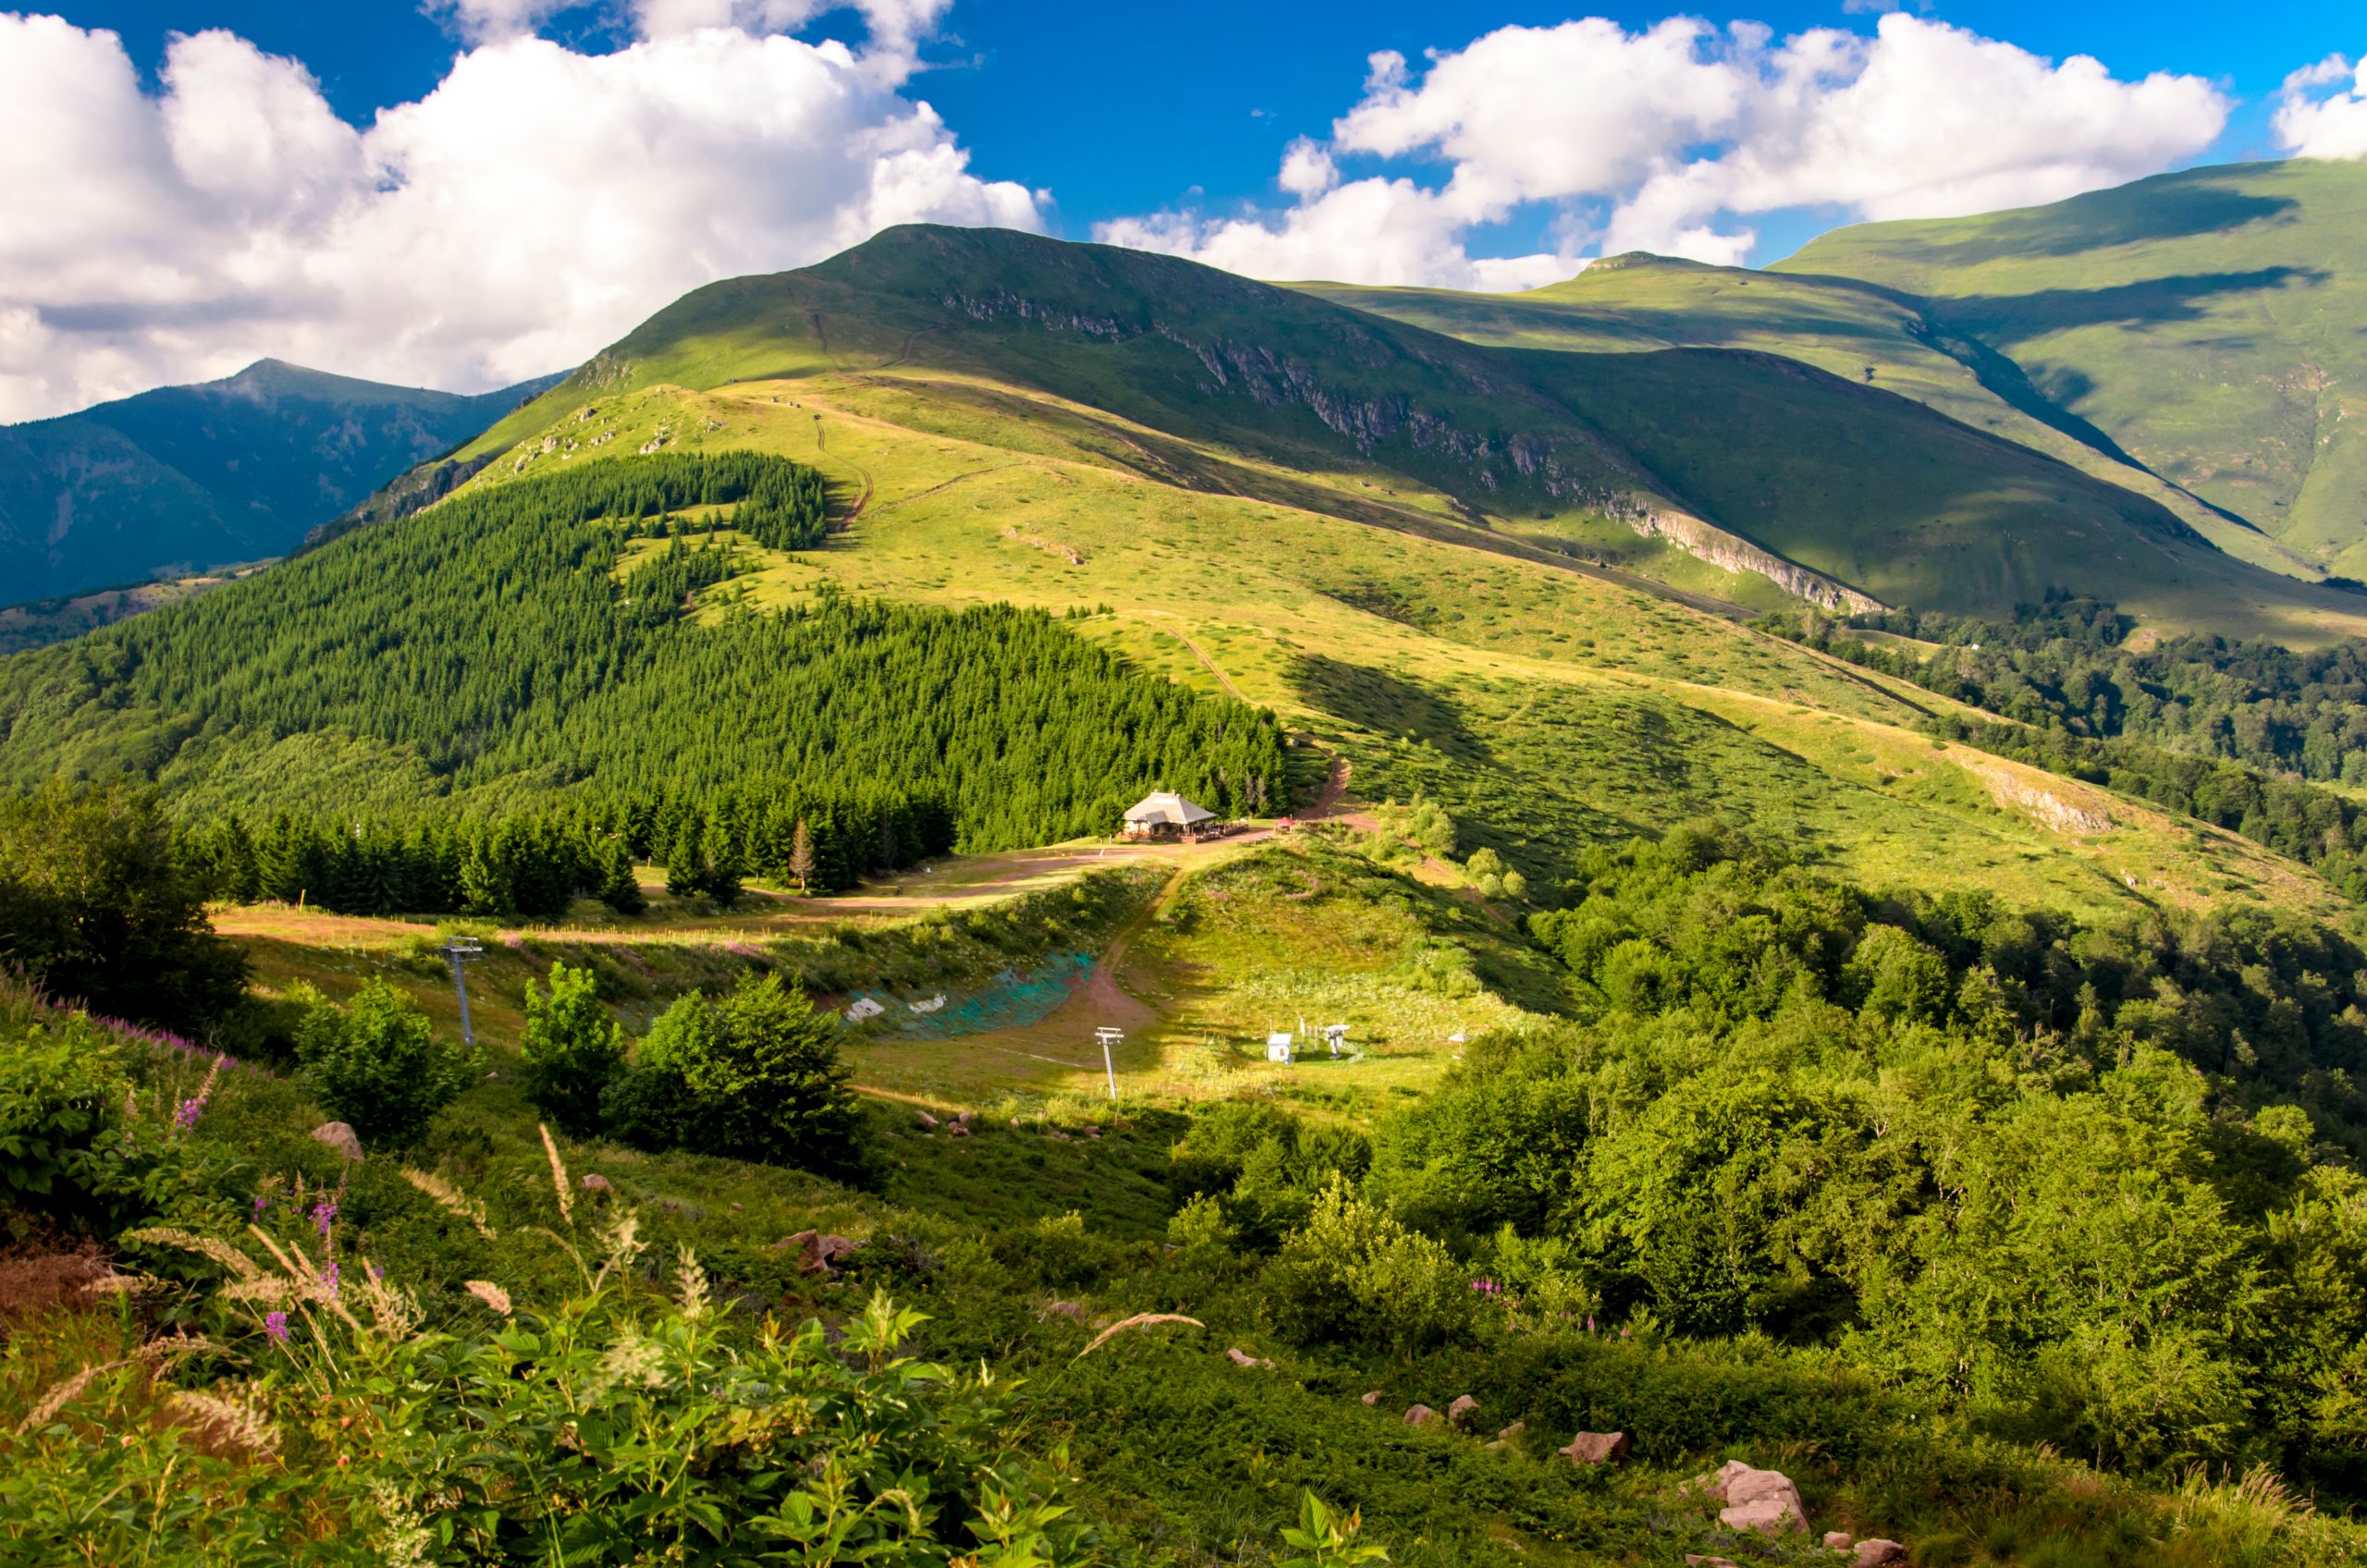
{"x": 2206, "y": 321}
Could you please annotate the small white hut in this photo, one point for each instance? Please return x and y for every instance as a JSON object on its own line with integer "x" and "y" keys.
{"x": 1165, "y": 814}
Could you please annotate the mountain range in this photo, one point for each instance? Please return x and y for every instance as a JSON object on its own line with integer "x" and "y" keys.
{"x": 183, "y": 479}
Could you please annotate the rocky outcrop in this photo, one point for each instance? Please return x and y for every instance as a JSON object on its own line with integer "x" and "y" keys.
{"x": 1420, "y": 1416}
{"x": 1242, "y": 1358}
{"x": 1878, "y": 1554}
{"x": 1731, "y": 552}
{"x": 1463, "y": 1412}
{"x": 820, "y": 1254}
{"x": 2050, "y": 810}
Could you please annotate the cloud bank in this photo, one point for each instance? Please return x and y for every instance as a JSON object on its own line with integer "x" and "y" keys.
{"x": 1668, "y": 138}
{"x": 2313, "y": 122}
{"x": 536, "y": 205}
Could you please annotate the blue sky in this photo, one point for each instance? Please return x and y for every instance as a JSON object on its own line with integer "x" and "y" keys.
{"x": 465, "y": 192}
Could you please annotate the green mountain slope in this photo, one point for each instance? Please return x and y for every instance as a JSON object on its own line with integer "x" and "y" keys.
{"x": 2207, "y": 322}
{"x": 1641, "y": 303}
{"x": 1724, "y": 472}
{"x": 185, "y": 478}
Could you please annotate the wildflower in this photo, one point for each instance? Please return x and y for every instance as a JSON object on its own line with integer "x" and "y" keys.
{"x": 323, "y": 1215}
{"x": 261, "y": 1201}
{"x": 274, "y": 1324}
{"x": 184, "y": 1115}
{"x": 328, "y": 1280}
{"x": 1590, "y": 1322}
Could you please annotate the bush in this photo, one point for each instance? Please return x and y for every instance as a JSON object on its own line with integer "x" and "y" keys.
{"x": 572, "y": 1048}
{"x": 1356, "y": 1276}
{"x": 95, "y": 906}
{"x": 754, "y": 1076}
{"x": 378, "y": 1064}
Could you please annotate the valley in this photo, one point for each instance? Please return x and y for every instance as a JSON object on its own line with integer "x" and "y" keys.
{"x": 1815, "y": 997}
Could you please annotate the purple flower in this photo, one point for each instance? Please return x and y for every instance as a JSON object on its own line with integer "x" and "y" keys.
{"x": 260, "y": 1202}
{"x": 184, "y": 1115}
{"x": 323, "y": 1215}
{"x": 275, "y": 1324}
{"x": 328, "y": 1280}
{"x": 1590, "y": 1322}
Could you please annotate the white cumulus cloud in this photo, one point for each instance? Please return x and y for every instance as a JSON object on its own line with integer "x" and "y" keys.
{"x": 1668, "y": 138}
{"x": 532, "y": 207}
{"x": 2313, "y": 123}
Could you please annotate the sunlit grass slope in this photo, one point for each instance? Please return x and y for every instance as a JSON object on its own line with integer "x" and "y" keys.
{"x": 1548, "y": 704}
{"x": 2206, "y": 321}
{"x": 1205, "y": 381}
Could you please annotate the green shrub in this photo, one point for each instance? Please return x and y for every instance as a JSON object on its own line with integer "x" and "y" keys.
{"x": 572, "y": 1048}
{"x": 753, "y": 1075}
{"x": 95, "y": 906}
{"x": 1355, "y": 1274}
{"x": 378, "y": 1064}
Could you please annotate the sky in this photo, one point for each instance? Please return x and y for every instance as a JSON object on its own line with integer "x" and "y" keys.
{"x": 463, "y": 193}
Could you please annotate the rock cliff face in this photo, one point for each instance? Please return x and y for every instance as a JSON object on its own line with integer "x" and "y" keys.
{"x": 1710, "y": 542}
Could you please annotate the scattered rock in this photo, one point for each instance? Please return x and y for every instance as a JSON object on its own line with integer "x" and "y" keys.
{"x": 1063, "y": 1309}
{"x": 964, "y": 1119}
{"x": 594, "y": 1182}
{"x": 822, "y": 1252}
{"x": 1877, "y": 1554}
{"x": 1462, "y": 1411}
{"x": 1509, "y": 1435}
{"x": 1373, "y": 1398}
{"x": 1838, "y": 1540}
{"x": 339, "y": 1136}
{"x": 1764, "y": 1500}
{"x": 1597, "y": 1447}
{"x": 1420, "y": 1416}
{"x": 959, "y": 1130}
{"x": 925, "y": 1120}
{"x": 1694, "y": 1559}
{"x": 1243, "y": 1358}
{"x": 1060, "y": 1137}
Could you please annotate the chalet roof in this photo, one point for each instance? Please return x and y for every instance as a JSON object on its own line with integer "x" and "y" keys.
{"x": 1165, "y": 805}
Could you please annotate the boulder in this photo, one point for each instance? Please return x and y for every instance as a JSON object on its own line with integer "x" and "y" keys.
{"x": 1243, "y": 1358}
{"x": 927, "y": 1120}
{"x": 1597, "y": 1447}
{"x": 1877, "y": 1554}
{"x": 1462, "y": 1411}
{"x": 1373, "y": 1398}
{"x": 1509, "y": 1435}
{"x": 1838, "y": 1540}
{"x": 340, "y": 1137}
{"x": 594, "y": 1182}
{"x": 958, "y": 1130}
{"x": 1419, "y": 1415}
{"x": 1764, "y": 1500}
{"x": 1067, "y": 1309}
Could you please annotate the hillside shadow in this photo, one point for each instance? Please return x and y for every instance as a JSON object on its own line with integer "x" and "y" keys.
{"x": 1385, "y": 703}
{"x": 2014, "y": 318}
{"x": 2177, "y": 208}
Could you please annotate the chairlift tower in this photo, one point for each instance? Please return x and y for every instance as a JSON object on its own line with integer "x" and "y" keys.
{"x": 460, "y": 953}
{"x": 1109, "y": 1036}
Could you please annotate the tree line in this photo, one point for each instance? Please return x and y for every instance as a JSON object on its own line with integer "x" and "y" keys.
{"x": 521, "y": 642}
{"x": 536, "y": 863}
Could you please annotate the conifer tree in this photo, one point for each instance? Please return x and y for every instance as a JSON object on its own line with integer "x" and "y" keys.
{"x": 801, "y": 857}
{"x": 721, "y": 881}
{"x": 618, "y": 889}
{"x": 686, "y": 868}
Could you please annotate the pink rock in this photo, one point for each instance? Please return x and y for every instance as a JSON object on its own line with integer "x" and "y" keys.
{"x": 1838, "y": 1540}
{"x": 821, "y": 1252}
{"x": 1420, "y": 1416}
{"x": 927, "y": 1120}
{"x": 1597, "y": 1447}
{"x": 596, "y": 1183}
{"x": 1461, "y": 1412}
{"x": 1243, "y": 1358}
{"x": 1373, "y": 1398}
{"x": 340, "y": 1137}
{"x": 1765, "y": 1500}
{"x": 1876, "y": 1553}
{"x": 1063, "y": 1309}
{"x": 959, "y": 1130}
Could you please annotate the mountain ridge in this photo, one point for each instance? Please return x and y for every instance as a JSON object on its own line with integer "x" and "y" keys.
{"x": 187, "y": 478}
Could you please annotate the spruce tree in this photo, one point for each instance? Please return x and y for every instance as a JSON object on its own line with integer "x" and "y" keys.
{"x": 617, "y": 888}
{"x": 686, "y": 868}
{"x": 801, "y": 857}
{"x": 721, "y": 882}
